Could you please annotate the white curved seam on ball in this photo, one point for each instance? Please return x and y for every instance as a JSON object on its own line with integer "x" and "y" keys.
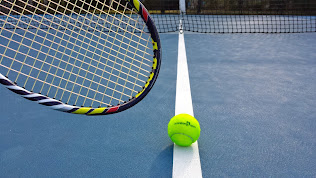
{"x": 184, "y": 135}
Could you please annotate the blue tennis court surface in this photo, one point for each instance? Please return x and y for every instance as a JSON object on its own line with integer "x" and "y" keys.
{"x": 255, "y": 97}
{"x": 253, "y": 94}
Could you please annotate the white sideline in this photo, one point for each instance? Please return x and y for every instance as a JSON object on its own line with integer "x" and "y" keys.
{"x": 186, "y": 160}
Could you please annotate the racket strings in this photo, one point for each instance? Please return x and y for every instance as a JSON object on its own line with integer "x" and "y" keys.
{"x": 80, "y": 19}
{"x": 125, "y": 55}
{"x": 138, "y": 72}
{"x": 73, "y": 60}
{"x": 74, "y": 31}
{"x": 112, "y": 55}
{"x": 63, "y": 88}
{"x": 82, "y": 82}
{"x": 44, "y": 62}
{"x": 116, "y": 11}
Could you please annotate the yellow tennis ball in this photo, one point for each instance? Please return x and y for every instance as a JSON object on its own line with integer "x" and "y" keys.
{"x": 184, "y": 129}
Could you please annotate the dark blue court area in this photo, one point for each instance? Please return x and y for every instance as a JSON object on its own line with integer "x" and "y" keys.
{"x": 253, "y": 94}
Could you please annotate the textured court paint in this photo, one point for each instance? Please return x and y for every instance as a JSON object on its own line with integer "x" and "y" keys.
{"x": 186, "y": 160}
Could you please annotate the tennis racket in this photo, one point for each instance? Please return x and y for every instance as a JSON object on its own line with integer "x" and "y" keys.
{"x": 92, "y": 57}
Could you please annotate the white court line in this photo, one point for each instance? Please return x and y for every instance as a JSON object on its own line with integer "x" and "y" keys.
{"x": 186, "y": 160}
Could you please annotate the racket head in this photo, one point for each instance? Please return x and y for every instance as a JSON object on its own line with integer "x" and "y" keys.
{"x": 60, "y": 105}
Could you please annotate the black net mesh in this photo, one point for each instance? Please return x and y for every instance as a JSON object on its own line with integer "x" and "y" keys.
{"x": 216, "y": 16}
{"x": 235, "y": 16}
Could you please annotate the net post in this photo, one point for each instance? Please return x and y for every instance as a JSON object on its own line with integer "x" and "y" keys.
{"x": 182, "y": 7}
{"x": 182, "y": 14}
{"x": 180, "y": 27}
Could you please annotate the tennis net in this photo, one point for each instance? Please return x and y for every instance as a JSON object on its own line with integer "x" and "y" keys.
{"x": 235, "y": 16}
{"x": 203, "y": 16}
